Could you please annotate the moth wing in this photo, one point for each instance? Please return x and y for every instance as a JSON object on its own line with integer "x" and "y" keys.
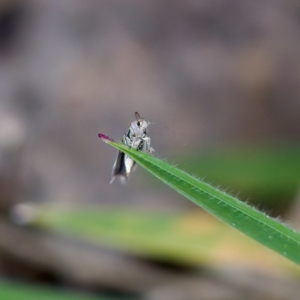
{"x": 119, "y": 168}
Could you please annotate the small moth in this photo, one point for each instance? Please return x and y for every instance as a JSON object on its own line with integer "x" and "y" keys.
{"x": 136, "y": 138}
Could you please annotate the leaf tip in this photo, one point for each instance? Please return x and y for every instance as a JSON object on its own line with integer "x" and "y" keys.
{"x": 105, "y": 138}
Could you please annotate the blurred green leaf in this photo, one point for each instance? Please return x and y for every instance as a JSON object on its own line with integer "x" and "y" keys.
{"x": 187, "y": 239}
{"x": 15, "y": 291}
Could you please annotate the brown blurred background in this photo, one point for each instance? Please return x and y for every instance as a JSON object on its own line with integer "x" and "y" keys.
{"x": 208, "y": 74}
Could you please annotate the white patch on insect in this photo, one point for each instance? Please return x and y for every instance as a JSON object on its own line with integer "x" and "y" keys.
{"x": 136, "y": 138}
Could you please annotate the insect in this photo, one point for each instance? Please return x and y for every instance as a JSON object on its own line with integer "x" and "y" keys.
{"x": 136, "y": 138}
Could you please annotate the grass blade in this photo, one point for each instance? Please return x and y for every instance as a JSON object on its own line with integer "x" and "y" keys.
{"x": 226, "y": 208}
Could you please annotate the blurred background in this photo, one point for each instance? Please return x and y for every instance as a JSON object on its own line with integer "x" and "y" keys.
{"x": 219, "y": 79}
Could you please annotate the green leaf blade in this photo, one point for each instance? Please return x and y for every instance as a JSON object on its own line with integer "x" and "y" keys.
{"x": 226, "y": 208}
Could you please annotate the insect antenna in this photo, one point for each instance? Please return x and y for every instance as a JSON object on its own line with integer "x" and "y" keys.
{"x": 137, "y": 115}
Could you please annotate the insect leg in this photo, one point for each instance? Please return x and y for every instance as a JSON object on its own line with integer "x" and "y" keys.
{"x": 146, "y": 145}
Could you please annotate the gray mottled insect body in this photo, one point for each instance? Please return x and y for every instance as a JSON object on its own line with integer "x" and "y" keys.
{"x": 136, "y": 138}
